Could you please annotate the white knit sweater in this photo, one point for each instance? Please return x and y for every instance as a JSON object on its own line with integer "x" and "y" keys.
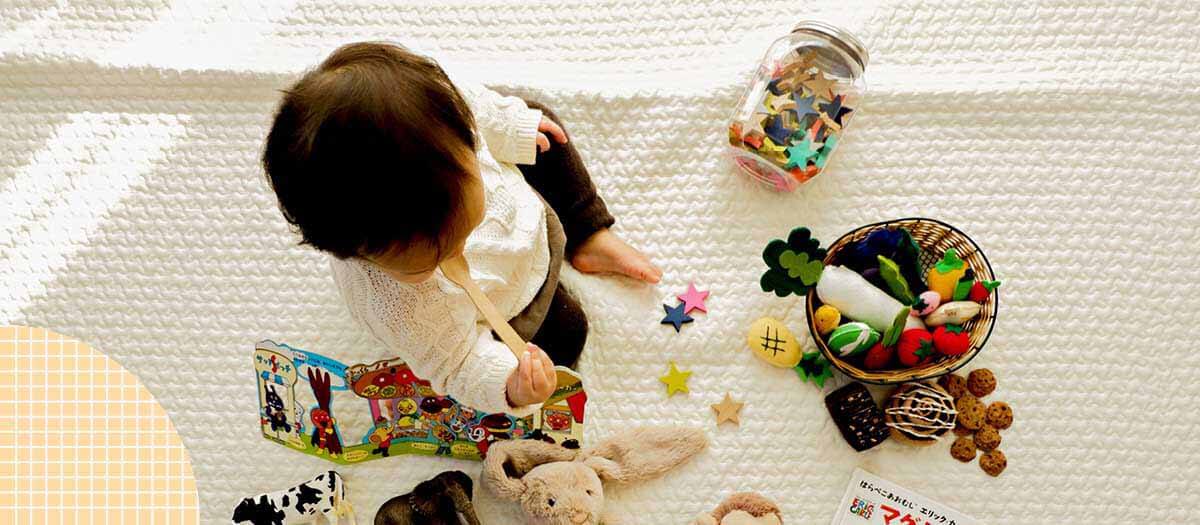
{"x": 433, "y": 325}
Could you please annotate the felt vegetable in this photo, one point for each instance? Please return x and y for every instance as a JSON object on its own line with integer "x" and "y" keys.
{"x": 963, "y": 287}
{"x": 878, "y": 357}
{"x": 943, "y": 277}
{"x": 957, "y": 312}
{"x": 858, "y": 300}
{"x": 915, "y": 347}
{"x": 926, "y": 303}
{"x": 951, "y": 339}
{"x": 893, "y": 332}
{"x": 794, "y": 265}
{"x": 852, "y": 338}
{"x": 981, "y": 290}
{"x": 826, "y": 318}
{"x": 772, "y": 342}
{"x": 890, "y": 272}
{"x": 814, "y": 367}
{"x": 908, "y": 256}
{"x": 895, "y": 244}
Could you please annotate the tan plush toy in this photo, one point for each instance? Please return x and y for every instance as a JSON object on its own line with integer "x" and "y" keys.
{"x": 743, "y": 508}
{"x": 558, "y": 486}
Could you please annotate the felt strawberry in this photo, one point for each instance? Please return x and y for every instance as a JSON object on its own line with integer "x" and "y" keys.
{"x": 981, "y": 290}
{"x": 915, "y": 347}
{"x": 951, "y": 340}
{"x": 878, "y": 357}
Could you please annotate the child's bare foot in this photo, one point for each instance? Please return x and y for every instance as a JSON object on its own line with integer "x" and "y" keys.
{"x": 604, "y": 252}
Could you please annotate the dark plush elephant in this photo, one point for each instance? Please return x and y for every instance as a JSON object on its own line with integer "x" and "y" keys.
{"x": 437, "y": 501}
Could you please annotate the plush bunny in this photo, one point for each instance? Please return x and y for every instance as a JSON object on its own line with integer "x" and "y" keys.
{"x": 742, "y": 508}
{"x": 437, "y": 501}
{"x": 558, "y": 486}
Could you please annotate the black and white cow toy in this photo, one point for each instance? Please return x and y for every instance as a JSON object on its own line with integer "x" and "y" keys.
{"x": 324, "y": 495}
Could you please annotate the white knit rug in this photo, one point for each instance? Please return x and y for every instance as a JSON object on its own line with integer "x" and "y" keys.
{"x": 1061, "y": 137}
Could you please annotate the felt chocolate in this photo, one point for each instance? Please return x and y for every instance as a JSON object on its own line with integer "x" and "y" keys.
{"x": 856, "y": 415}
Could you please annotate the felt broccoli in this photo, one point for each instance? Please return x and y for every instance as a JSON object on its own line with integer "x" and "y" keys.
{"x": 814, "y": 367}
{"x": 793, "y": 266}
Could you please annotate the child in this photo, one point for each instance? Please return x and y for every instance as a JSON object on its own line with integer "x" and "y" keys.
{"x": 382, "y": 162}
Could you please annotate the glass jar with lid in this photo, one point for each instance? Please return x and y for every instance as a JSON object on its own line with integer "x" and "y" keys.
{"x": 797, "y": 105}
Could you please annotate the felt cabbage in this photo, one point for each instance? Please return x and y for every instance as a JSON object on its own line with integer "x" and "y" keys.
{"x": 793, "y": 266}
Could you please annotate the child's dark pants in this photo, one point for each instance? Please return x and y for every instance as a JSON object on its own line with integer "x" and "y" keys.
{"x": 561, "y": 179}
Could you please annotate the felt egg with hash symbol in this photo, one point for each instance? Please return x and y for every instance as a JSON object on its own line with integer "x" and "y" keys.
{"x": 852, "y": 338}
{"x": 826, "y": 319}
{"x": 772, "y": 342}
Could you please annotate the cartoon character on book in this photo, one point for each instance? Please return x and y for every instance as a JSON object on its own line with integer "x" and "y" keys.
{"x": 276, "y": 412}
{"x": 324, "y": 437}
{"x": 382, "y": 436}
{"x": 445, "y": 438}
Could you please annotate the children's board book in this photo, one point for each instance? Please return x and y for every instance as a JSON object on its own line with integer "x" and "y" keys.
{"x": 383, "y": 409}
{"x": 871, "y": 500}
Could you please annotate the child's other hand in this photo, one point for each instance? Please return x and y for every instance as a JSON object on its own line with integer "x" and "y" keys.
{"x": 556, "y": 131}
{"x": 534, "y": 379}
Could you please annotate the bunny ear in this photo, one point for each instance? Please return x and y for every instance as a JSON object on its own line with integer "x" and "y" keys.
{"x": 508, "y": 461}
{"x": 644, "y": 453}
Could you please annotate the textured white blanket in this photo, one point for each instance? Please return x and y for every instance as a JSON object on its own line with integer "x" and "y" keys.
{"x": 1060, "y": 136}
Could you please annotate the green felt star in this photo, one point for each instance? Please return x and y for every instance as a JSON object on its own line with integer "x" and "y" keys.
{"x": 822, "y": 158}
{"x": 799, "y": 153}
{"x": 814, "y": 367}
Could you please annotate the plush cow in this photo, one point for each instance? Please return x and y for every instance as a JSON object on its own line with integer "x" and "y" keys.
{"x": 324, "y": 495}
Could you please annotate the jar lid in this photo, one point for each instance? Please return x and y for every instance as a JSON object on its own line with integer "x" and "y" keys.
{"x": 845, "y": 41}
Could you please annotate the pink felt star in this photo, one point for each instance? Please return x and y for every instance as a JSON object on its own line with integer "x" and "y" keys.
{"x": 693, "y": 299}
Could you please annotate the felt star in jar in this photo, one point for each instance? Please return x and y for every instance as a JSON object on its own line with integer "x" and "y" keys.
{"x": 827, "y": 150}
{"x": 835, "y": 110}
{"x": 799, "y": 153}
{"x": 821, "y": 86}
{"x": 804, "y": 105}
{"x": 754, "y": 123}
{"x": 778, "y": 130}
{"x": 771, "y": 148}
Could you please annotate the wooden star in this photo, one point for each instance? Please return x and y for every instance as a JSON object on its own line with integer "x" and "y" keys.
{"x": 821, "y": 86}
{"x": 676, "y": 380}
{"x": 728, "y": 410}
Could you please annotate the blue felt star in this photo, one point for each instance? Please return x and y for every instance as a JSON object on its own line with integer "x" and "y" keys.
{"x": 675, "y": 316}
{"x": 799, "y": 153}
{"x": 778, "y": 130}
{"x": 835, "y": 110}
{"x": 804, "y": 105}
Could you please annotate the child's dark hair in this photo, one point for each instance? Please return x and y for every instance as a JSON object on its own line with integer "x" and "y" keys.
{"x": 366, "y": 151}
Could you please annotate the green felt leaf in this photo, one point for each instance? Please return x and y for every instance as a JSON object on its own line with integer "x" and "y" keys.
{"x": 776, "y": 281}
{"x": 814, "y": 367}
{"x": 990, "y": 285}
{"x": 925, "y": 349}
{"x": 949, "y": 262}
{"x": 772, "y": 251}
{"x": 893, "y": 332}
{"x": 890, "y": 273}
{"x": 954, "y": 329}
{"x": 800, "y": 267}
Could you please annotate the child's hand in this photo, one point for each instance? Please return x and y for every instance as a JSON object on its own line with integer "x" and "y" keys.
{"x": 556, "y": 131}
{"x": 534, "y": 379}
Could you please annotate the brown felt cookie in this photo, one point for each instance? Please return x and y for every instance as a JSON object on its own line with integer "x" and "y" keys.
{"x": 954, "y": 384}
{"x": 970, "y": 412}
{"x": 999, "y": 415}
{"x": 993, "y": 462}
{"x": 987, "y": 438}
{"x": 963, "y": 449}
{"x": 981, "y": 382}
{"x": 960, "y": 430}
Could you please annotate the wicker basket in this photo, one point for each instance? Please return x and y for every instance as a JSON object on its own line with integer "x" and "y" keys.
{"x": 934, "y": 237}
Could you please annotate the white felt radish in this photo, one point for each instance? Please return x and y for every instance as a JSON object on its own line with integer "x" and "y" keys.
{"x": 858, "y": 299}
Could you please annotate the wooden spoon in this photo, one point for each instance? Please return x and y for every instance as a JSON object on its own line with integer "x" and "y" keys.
{"x": 457, "y": 270}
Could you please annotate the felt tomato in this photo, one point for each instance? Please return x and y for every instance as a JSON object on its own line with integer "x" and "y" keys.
{"x": 878, "y": 357}
{"x": 915, "y": 347}
{"x": 951, "y": 340}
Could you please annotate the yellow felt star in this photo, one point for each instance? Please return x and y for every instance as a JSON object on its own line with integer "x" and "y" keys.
{"x": 770, "y": 146}
{"x": 821, "y": 86}
{"x": 728, "y": 410}
{"x": 676, "y": 380}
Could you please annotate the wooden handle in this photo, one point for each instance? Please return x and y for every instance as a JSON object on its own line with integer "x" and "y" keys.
{"x": 457, "y": 270}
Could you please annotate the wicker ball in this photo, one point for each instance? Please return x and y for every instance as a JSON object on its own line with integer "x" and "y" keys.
{"x": 934, "y": 237}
